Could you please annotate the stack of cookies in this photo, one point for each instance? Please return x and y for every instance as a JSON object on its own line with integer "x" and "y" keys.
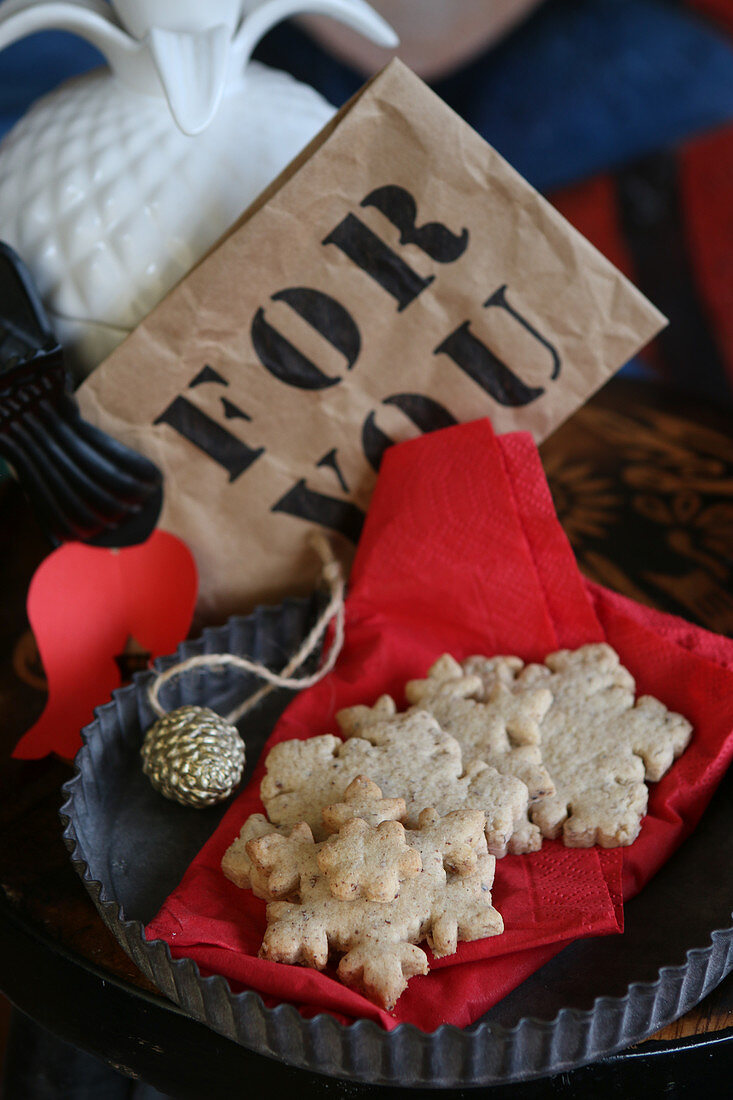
{"x": 388, "y": 835}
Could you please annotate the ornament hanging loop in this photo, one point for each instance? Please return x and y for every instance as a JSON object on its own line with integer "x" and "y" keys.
{"x": 194, "y": 756}
{"x": 332, "y": 575}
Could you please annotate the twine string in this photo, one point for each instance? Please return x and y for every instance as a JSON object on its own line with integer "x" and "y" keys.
{"x": 332, "y": 574}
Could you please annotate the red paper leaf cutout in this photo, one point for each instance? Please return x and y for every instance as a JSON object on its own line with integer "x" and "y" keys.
{"x": 84, "y": 603}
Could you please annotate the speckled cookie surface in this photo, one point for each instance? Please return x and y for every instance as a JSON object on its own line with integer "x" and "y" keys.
{"x": 598, "y": 743}
{"x": 409, "y": 756}
{"x": 369, "y": 893}
{"x": 502, "y": 728}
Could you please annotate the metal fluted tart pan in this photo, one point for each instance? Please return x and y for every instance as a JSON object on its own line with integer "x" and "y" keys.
{"x": 131, "y": 847}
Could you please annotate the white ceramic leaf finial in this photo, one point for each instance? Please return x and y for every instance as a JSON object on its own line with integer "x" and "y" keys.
{"x": 194, "y": 48}
{"x": 185, "y": 48}
{"x": 140, "y": 16}
{"x": 90, "y": 19}
{"x": 189, "y": 44}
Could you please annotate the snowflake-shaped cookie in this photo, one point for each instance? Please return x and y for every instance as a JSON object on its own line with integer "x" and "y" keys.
{"x": 440, "y": 877}
{"x": 597, "y": 743}
{"x": 409, "y": 756}
{"x": 362, "y": 799}
{"x": 369, "y": 861}
{"x": 501, "y": 728}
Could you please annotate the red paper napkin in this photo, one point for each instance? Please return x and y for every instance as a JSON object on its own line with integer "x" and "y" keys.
{"x": 462, "y": 552}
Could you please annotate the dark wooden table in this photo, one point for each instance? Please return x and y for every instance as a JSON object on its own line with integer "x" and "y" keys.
{"x": 643, "y": 484}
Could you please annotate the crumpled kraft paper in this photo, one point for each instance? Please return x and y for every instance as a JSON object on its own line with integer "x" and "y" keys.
{"x": 397, "y": 278}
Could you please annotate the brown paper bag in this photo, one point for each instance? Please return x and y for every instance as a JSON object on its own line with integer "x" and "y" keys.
{"x": 398, "y": 277}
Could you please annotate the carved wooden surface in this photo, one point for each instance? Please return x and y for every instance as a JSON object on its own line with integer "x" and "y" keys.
{"x": 643, "y": 485}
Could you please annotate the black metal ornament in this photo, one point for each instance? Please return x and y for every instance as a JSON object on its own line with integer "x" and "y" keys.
{"x": 83, "y": 485}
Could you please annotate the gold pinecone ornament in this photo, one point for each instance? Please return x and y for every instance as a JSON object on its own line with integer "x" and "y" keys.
{"x": 193, "y": 756}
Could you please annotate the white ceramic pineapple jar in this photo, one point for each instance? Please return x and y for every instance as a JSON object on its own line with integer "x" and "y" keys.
{"x": 114, "y": 185}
